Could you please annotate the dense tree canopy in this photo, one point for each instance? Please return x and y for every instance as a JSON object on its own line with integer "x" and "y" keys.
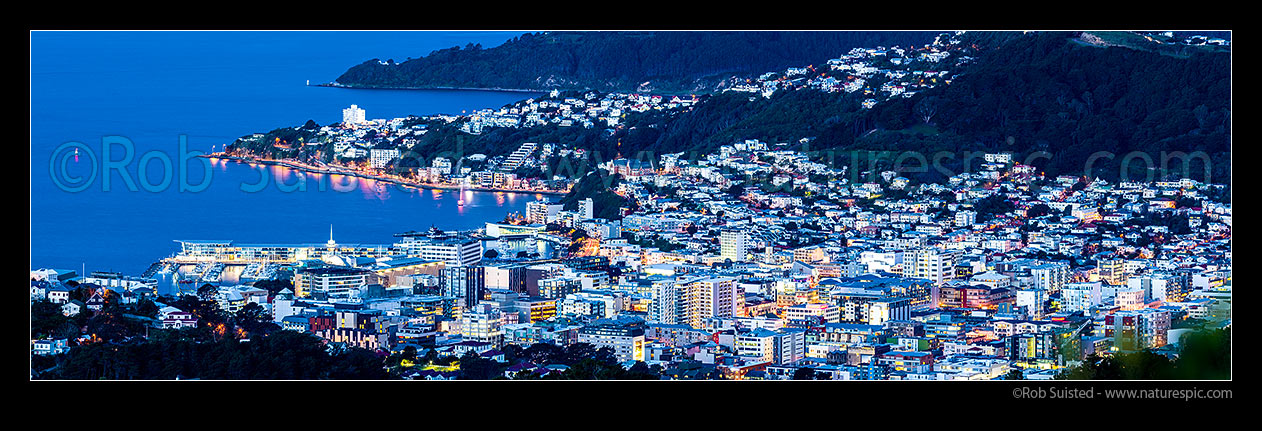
{"x": 184, "y": 354}
{"x": 689, "y": 61}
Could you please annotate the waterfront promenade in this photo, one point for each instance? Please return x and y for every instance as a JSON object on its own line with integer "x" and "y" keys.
{"x": 338, "y": 170}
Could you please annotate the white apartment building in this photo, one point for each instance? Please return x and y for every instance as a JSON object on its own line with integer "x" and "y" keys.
{"x": 483, "y": 322}
{"x": 965, "y": 218}
{"x": 888, "y": 261}
{"x": 831, "y": 313}
{"x": 690, "y": 301}
{"x": 627, "y": 343}
{"x": 453, "y": 251}
{"x": 759, "y": 343}
{"x": 733, "y": 244}
{"x": 336, "y": 282}
{"x": 586, "y": 209}
{"x": 931, "y": 264}
{"x": 541, "y": 212}
{"x": 1080, "y": 296}
{"x": 381, "y": 157}
{"x": 353, "y": 115}
{"x": 1050, "y": 276}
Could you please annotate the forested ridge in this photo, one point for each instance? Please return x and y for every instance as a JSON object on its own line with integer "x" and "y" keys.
{"x": 1025, "y": 94}
{"x": 683, "y": 61}
{"x": 1047, "y": 93}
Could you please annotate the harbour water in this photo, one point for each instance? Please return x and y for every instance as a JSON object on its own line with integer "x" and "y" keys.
{"x": 211, "y": 87}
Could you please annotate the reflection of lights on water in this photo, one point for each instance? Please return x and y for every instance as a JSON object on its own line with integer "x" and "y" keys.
{"x": 373, "y": 189}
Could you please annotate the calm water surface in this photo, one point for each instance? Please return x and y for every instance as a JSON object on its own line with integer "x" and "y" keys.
{"x": 212, "y": 87}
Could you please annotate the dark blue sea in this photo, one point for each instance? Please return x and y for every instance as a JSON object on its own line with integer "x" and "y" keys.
{"x": 151, "y": 88}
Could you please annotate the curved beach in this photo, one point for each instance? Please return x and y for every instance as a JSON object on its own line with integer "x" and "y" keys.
{"x": 313, "y": 169}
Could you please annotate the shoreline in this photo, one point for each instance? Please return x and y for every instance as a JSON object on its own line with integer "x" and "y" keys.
{"x": 306, "y": 168}
{"x": 504, "y": 90}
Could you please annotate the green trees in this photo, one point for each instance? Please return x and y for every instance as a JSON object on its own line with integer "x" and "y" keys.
{"x": 1203, "y": 355}
{"x": 47, "y": 321}
{"x": 987, "y": 208}
{"x": 1038, "y": 210}
{"x": 1046, "y": 92}
{"x": 474, "y": 367}
{"x": 274, "y": 286}
{"x": 172, "y": 353}
{"x": 253, "y": 319}
{"x": 598, "y": 186}
{"x": 681, "y": 61}
{"x": 147, "y": 308}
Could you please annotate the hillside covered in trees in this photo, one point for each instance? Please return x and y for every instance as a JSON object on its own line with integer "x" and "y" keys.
{"x": 1030, "y": 93}
{"x": 1043, "y": 92}
{"x": 1047, "y": 92}
{"x": 682, "y": 61}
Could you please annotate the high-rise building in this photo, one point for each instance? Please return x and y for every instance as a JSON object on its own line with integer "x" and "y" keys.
{"x": 759, "y": 343}
{"x": 353, "y": 115}
{"x": 540, "y": 212}
{"x": 664, "y": 307}
{"x": 1080, "y": 296}
{"x": 1158, "y": 287}
{"x": 1137, "y": 330}
{"x": 1032, "y": 300}
{"x": 1050, "y": 277}
{"x": 931, "y": 264}
{"x": 586, "y": 209}
{"x": 511, "y": 277}
{"x": 381, "y": 156}
{"x": 788, "y": 346}
{"x": 872, "y": 306}
{"x": 558, "y": 287}
{"x": 1112, "y": 271}
{"x": 692, "y": 300}
{"x": 733, "y": 244}
{"x": 482, "y": 322}
{"x": 464, "y": 282}
{"x": 535, "y": 273}
{"x": 965, "y": 218}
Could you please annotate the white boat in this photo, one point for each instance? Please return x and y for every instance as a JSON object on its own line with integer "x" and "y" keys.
{"x": 250, "y": 272}
{"x": 199, "y": 271}
{"x": 267, "y": 272}
{"x": 213, "y": 275}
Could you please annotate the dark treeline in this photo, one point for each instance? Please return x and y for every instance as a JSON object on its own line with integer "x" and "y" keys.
{"x": 691, "y": 61}
{"x": 1204, "y": 355}
{"x": 598, "y": 186}
{"x": 188, "y": 353}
